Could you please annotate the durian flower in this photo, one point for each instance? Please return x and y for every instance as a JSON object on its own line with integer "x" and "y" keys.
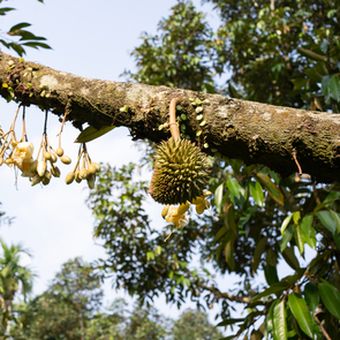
{"x": 176, "y": 214}
{"x": 22, "y": 157}
{"x": 201, "y": 203}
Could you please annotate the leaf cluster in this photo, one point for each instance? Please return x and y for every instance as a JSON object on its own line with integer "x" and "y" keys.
{"x": 18, "y": 37}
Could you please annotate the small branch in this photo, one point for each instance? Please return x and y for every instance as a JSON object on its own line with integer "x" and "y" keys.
{"x": 223, "y": 295}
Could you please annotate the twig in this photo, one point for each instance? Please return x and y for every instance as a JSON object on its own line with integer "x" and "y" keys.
{"x": 223, "y": 295}
{"x": 323, "y": 330}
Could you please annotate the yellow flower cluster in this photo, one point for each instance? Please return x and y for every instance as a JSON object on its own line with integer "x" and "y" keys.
{"x": 19, "y": 154}
{"x": 177, "y": 214}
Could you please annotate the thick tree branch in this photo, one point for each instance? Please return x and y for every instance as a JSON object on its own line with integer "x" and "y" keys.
{"x": 253, "y": 132}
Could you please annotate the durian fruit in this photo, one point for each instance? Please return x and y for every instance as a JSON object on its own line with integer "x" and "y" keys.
{"x": 181, "y": 172}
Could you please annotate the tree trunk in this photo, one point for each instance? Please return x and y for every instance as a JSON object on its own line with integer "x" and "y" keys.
{"x": 251, "y": 131}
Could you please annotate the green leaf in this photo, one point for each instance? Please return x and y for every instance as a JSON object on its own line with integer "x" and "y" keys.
{"x": 301, "y": 314}
{"x": 330, "y": 297}
{"x": 273, "y": 190}
{"x": 256, "y": 192}
{"x": 296, "y": 217}
{"x": 229, "y": 321}
{"x": 312, "y": 296}
{"x": 219, "y": 197}
{"x": 150, "y": 256}
{"x": 37, "y": 44}
{"x": 299, "y": 239}
{"x": 269, "y": 319}
{"x": 287, "y": 236}
{"x": 331, "y": 87}
{"x": 259, "y": 249}
{"x": 337, "y": 240}
{"x": 276, "y": 288}
{"x": 19, "y": 26}
{"x": 330, "y": 220}
{"x": 229, "y": 254}
{"x": 270, "y": 273}
{"x": 307, "y": 231}
{"x": 91, "y": 133}
{"x": 279, "y": 321}
{"x": 4, "y": 10}
{"x": 235, "y": 189}
{"x": 17, "y": 48}
{"x": 289, "y": 256}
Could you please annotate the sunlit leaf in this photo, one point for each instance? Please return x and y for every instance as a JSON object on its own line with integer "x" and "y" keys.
{"x": 285, "y": 223}
{"x": 279, "y": 321}
{"x": 296, "y": 217}
{"x": 219, "y": 197}
{"x": 256, "y": 192}
{"x": 301, "y": 314}
{"x": 287, "y": 236}
{"x": 308, "y": 231}
{"x": 299, "y": 239}
{"x": 235, "y": 189}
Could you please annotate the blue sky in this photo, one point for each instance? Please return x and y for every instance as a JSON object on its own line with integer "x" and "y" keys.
{"x": 92, "y": 39}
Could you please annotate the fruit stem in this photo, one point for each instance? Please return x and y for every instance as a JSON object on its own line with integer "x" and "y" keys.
{"x": 174, "y": 130}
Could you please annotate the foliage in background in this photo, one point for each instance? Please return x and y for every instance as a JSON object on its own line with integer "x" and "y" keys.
{"x": 294, "y": 46}
{"x": 181, "y": 55}
{"x": 72, "y": 308}
{"x": 287, "y": 229}
{"x": 15, "y": 280}
{"x": 18, "y": 37}
{"x": 65, "y": 308}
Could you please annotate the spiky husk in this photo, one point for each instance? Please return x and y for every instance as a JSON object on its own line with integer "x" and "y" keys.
{"x": 181, "y": 172}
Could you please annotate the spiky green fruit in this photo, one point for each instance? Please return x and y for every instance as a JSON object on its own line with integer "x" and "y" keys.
{"x": 181, "y": 172}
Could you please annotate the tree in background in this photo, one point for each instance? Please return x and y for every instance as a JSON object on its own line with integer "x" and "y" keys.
{"x": 65, "y": 308}
{"x": 57, "y": 313}
{"x": 294, "y": 46}
{"x": 260, "y": 222}
{"x": 194, "y": 325}
{"x": 15, "y": 282}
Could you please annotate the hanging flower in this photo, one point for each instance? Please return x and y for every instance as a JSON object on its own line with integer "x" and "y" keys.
{"x": 201, "y": 203}
{"x": 22, "y": 157}
{"x": 176, "y": 214}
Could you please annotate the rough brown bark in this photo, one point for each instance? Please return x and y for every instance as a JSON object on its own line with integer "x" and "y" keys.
{"x": 251, "y": 131}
